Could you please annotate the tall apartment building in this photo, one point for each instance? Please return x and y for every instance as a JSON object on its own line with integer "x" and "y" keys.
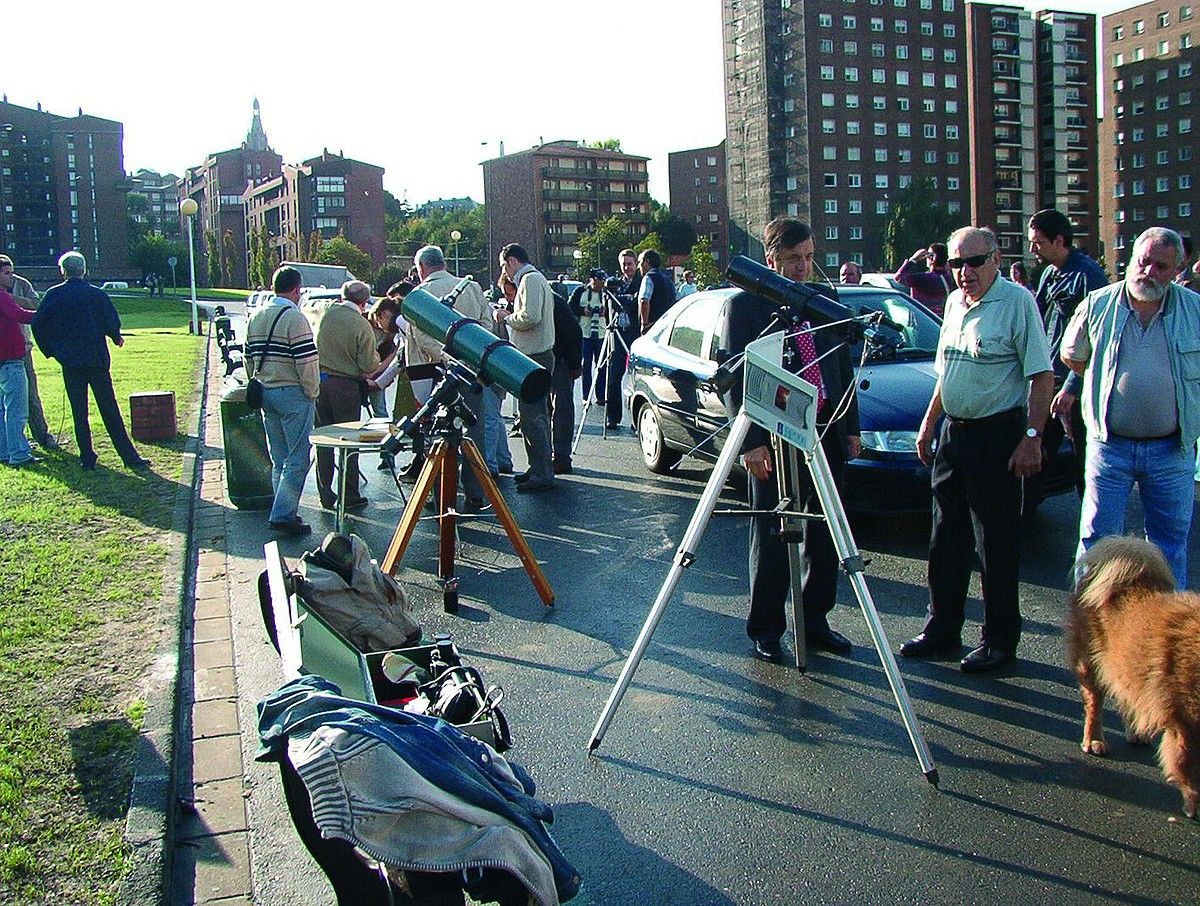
{"x": 217, "y": 186}
{"x": 546, "y": 197}
{"x": 162, "y": 202}
{"x": 330, "y": 195}
{"x": 62, "y": 187}
{"x": 832, "y": 106}
{"x": 698, "y": 194}
{"x": 1148, "y": 131}
{"x": 1068, "y": 130}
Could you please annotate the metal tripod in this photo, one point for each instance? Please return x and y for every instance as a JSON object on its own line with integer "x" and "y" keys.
{"x": 851, "y": 559}
{"x": 607, "y": 348}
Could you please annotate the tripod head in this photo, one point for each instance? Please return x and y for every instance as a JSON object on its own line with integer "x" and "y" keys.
{"x": 444, "y": 407}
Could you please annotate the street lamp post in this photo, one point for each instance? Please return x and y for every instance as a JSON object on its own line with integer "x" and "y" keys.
{"x": 188, "y": 209}
{"x": 578, "y": 256}
{"x": 455, "y": 235}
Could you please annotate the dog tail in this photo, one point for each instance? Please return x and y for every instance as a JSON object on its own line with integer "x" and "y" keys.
{"x": 1116, "y": 564}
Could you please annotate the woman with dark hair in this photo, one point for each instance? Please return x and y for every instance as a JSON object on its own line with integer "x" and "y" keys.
{"x": 383, "y": 319}
{"x": 1018, "y": 274}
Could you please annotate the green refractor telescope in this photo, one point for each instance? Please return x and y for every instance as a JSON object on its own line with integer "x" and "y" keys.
{"x": 493, "y": 360}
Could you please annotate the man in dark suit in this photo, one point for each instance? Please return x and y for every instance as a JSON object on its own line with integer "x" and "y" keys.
{"x": 789, "y": 249}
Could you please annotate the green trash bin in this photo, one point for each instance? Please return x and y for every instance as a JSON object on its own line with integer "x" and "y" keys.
{"x": 247, "y": 463}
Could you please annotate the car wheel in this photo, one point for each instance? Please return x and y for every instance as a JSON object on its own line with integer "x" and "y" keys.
{"x": 655, "y": 453}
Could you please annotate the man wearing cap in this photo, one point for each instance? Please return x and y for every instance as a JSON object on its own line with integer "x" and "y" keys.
{"x": 994, "y": 387}
{"x": 587, "y": 304}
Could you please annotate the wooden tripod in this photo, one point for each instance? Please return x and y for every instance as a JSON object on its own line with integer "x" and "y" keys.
{"x": 441, "y": 466}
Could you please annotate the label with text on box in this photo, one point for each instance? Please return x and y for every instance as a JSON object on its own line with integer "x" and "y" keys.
{"x": 783, "y": 403}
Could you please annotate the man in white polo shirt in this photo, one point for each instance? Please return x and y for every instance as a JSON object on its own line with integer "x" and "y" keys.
{"x": 994, "y": 387}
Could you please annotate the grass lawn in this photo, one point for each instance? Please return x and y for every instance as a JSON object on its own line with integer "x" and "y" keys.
{"x": 184, "y": 295}
{"x": 81, "y": 560}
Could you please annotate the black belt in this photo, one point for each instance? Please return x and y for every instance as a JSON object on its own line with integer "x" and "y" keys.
{"x": 1006, "y": 415}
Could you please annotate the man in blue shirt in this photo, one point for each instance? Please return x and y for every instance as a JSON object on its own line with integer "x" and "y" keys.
{"x": 73, "y": 324}
{"x": 1070, "y": 275}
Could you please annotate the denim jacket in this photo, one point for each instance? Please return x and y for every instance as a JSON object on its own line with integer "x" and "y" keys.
{"x": 345, "y": 741}
{"x": 1105, "y": 321}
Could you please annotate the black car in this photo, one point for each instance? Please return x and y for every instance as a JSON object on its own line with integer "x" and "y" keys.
{"x": 676, "y": 409}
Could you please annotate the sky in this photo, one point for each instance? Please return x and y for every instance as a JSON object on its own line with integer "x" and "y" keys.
{"x": 426, "y": 90}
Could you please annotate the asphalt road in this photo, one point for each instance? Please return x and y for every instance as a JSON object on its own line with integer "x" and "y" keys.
{"x": 723, "y": 779}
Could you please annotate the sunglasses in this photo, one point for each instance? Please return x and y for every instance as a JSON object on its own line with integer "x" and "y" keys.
{"x": 975, "y": 261}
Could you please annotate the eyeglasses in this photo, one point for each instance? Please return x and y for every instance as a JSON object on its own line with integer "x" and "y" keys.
{"x": 975, "y": 261}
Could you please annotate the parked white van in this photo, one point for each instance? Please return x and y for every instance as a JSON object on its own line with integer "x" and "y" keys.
{"x": 111, "y": 285}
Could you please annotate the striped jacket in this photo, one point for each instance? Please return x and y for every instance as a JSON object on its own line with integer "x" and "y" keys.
{"x": 291, "y": 358}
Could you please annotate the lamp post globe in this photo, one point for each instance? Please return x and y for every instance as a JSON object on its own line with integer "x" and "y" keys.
{"x": 189, "y": 208}
{"x": 455, "y": 235}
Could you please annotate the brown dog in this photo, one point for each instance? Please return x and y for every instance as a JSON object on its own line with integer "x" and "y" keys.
{"x": 1129, "y": 633}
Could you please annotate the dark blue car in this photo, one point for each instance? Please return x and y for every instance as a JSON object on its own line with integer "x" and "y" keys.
{"x": 676, "y": 410}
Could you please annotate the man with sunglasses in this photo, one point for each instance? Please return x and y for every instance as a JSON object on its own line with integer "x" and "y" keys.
{"x": 994, "y": 387}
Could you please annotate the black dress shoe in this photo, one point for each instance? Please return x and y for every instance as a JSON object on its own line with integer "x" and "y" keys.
{"x": 563, "y": 468}
{"x": 329, "y": 503}
{"x": 358, "y": 503}
{"x": 931, "y": 647}
{"x": 138, "y": 465}
{"x": 294, "y": 527}
{"x": 522, "y": 477}
{"x": 768, "y": 650}
{"x": 534, "y": 485}
{"x": 830, "y": 640}
{"x": 985, "y": 658}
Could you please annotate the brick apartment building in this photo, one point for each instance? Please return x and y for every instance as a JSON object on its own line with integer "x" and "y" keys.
{"x": 547, "y": 196}
{"x": 161, "y": 191}
{"x": 217, "y": 186}
{"x": 834, "y": 106}
{"x": 330, "y": 194}
{"x": 1149, "y": 127}
{"x": 62, "y": 187}
{"x": 696, "y": 180}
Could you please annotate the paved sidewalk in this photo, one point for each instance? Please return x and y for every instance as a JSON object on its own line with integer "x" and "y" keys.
{"x": 212, "y": 854}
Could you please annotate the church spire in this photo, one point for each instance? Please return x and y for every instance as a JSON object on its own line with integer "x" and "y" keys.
{"x": 256, "y": 138}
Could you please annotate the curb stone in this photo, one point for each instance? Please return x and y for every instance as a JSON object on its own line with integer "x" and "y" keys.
{"x": 149, "y": 825}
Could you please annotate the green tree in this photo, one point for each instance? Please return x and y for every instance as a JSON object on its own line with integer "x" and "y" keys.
{"x": 916, "y": 220}
{"x": 701, "y": 260}
{"x": 149, "y": 253}
{"x": 316, "y": 243}
{"x": 678, "y": 236}
{"x": 601, "y": 244}
{"x": 605, "y": 144}
{"x": 340, "y": 250}
{"x": 409, "y": 234}
{"x": 265, "y": 259}
{"x": 228, "y": 258}
{"x": 387, "y": 275}
{"x": 252, "y": 276}
{"x": 212, "y": 252}
{"x": 651, "y": 241}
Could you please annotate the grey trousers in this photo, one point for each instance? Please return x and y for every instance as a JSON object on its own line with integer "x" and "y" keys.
{"x": 562, "y": 418}
{"x": 535, "y": 427}
{"x": 37, "y": 417}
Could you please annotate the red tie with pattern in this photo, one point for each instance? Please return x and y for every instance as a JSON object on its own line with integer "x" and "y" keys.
{"x": 810, "y": 369}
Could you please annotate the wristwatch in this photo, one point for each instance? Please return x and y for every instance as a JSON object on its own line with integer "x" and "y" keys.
{"x": 1032, "y": 432}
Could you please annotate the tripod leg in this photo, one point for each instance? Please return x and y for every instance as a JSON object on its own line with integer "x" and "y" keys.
{"x": 412, "y": 510}
{"x": 504, "y": 514}
{"x": 788, "y": 465}
{"x": 601, "y": 363}
{"x": 447, "y": 514}
{"x": 843, "y": 540}
{"x": 685, "y": 556}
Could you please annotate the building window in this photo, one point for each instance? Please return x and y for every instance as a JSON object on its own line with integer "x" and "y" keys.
{"x": 831, "y": 259}
{"x": 1139, "y": 27}
{"x": 948, "y": 30}
{"x": 876, "y": 25}
{"x": 926, "y": 54}
{"x": 1118, "y": 32}
{"x": 901, "y": 26}
{"x": 930, "y": 130}
{"x": 879, "y": 102}
{"x": 1162, "y": 157}
{"x": 831, "y": 232}
{"x": 1185, "y": 153}
{"x": 825, "y": 20}
{"x": 1185, "y": 70}
{"x": 851, "y": 73}
{"x": 1139, "y": 134}
{"x": 852, "y": 101}
{"x": 881, "y": 155}
{"x": 904, "y": 156}
{"x": 789, "y": 105}
{"x": 1164, "y": 48}
{"x": 881, "y": 206}
{"x": 829, "y": 152}
{"x": 854, "y": 181}
{"x": 831, "y": 206}
{"x": 878, "y": 76}
{"x": 1185, "y": 209}
{"x": 850, "y": 48}
{"x": 952, "y": 132}
{"x": 1162, "y": 102}
{"x": 880, "y": 129}
{"x": 791, "y": 184}
{"x": 931, "y": 157}
{"x": 1162, "y": 130}
{"x": 952, "y": 183}
{"x": 856, "y": 233}
{"x": 855, "y": 205}
{"x": 951, "y": 81}
{"x": 1185, "y": 13}
{"x": 902, "y": 104}
{"x": 854, "y": 154}
{"x": 1185, "y": 181}
{"x": 904, "y": 130}
{"x": 826, "y": 100}
{"x": 849, "y": 22}
{"x": 877, "y": 50}
{"x": 928, "y": 80}
{"x": 901, "y": 76}
{"x": 853, "y": 127}
{"x": 826, "y": 73}
{"x": 947, "y": 6}
{"x": 881, "y": 180}
{"x": 952, "y": 106}
{"x": 952, "y": 157}
{"x": 1185, "y": 125}
{"x": 1164, "y": 19}
{"x": 830, "y": 181}
{"x": 1139, "y": 187}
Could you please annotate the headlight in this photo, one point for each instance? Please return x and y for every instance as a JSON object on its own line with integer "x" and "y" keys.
{"x": 890, "y": 441}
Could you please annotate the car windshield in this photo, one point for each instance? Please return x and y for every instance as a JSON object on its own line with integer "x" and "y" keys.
{"x": 918, "y": 334}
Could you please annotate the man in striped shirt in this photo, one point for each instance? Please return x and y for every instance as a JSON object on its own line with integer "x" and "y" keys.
{"x": 281, "y": 353}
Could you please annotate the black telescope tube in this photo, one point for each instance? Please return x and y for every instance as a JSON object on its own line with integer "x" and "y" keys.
{"x": 494, "y": 361}
{"x": 813, "y": 305}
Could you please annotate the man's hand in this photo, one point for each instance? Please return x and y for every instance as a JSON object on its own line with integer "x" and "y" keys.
{"x": 119, "y": 341}
{"x": 920, "y": 255}
{"x": 502, "y": 314}
{"x": 576, "y": 374}
{"x": 925, "y": 444}
{"x": 853, "y": 446}
{"x": 1026, "y": 460}
{"x": 1061, "y": 408}
{"x": 758, "y": 462}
